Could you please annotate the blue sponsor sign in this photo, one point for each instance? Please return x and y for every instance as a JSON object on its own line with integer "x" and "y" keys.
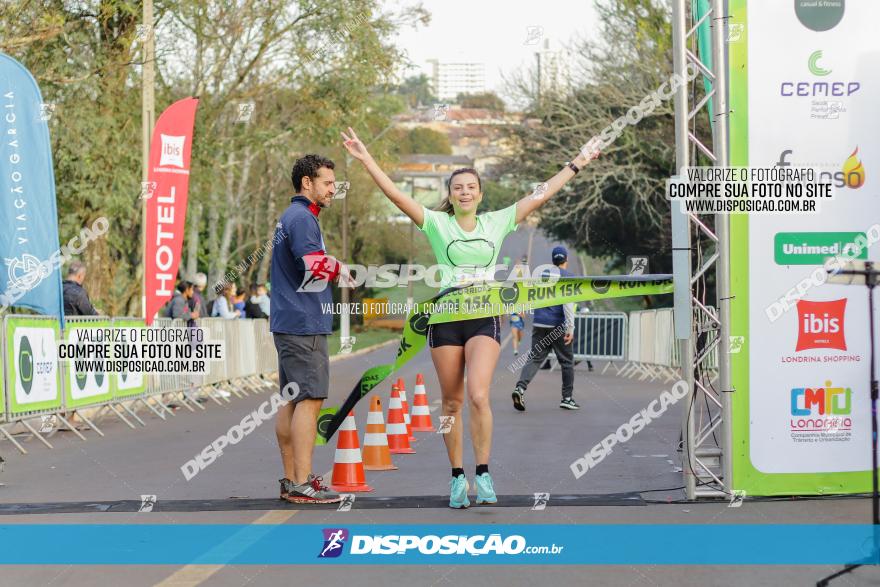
{"x": 28, "y": 215}
{"x": 531, "y": 544}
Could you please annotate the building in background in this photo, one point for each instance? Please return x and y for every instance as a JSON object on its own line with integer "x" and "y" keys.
{"x": 477, "y": 134}
{"x": 554, "y": 73}
{"x": 451, "y": 78}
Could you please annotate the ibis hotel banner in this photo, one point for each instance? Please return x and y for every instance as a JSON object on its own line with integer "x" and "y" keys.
{"x": 804, "y": 92}
{"x": 166, "y": 205}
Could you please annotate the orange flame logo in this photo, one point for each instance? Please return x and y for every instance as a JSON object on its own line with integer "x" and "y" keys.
{"x": 854, "y": 171}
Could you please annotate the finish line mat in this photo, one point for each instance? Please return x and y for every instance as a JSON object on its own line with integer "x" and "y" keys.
{"x": 359, "y": 503}
{"x": 483, "y": 301}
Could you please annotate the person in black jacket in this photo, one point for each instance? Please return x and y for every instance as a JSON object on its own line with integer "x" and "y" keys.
{"x": 252, "y": 307}
{"x": 76, "y": 300}
{"x": 179, "y": 309}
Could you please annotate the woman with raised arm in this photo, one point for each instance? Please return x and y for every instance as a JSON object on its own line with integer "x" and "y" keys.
{"x": 466, "y": 246}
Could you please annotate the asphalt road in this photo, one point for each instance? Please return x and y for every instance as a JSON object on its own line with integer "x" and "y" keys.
{"x": 532, "y": 453}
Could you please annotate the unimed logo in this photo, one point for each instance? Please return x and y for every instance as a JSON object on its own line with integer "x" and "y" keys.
{"x": 172, "y": 151}
{"x": 334, "y": 541}
{"x": 820, "y": 325}
{"x": 814, "y": 248}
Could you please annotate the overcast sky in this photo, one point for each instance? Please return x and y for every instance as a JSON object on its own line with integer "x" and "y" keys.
{"x": 495, "y": 32}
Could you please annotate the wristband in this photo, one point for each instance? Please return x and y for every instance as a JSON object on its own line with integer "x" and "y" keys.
{"x": 573, "y": 167}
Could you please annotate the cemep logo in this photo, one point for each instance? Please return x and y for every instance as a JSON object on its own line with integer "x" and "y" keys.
{"x": 334, "y": 541}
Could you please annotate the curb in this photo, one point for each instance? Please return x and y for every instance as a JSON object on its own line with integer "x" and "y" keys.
{"x": 363, "y": 351}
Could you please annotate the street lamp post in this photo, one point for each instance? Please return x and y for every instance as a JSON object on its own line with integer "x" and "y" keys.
{"x": 147, "y": 116}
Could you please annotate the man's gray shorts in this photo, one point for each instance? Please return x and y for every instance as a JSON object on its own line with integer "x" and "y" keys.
{"x": 303, "y": 360}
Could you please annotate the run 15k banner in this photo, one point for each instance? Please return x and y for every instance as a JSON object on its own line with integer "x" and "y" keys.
{"x": 485, "y": 300}
{"x": 166, "y": 203}
{"x": 804, "y": 89}
{"x": 28, "y": 216}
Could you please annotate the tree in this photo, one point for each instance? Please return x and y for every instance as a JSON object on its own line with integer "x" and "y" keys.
{"x": 487, "y": 100}
{"x": 306, "y": 68}
{"x": 416, "y": 90}
{"x": 421, "y": 141}
{"x": 616, "y": 207}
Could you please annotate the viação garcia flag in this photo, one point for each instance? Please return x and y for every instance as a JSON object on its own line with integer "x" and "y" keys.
{"x": 28, "y": 213}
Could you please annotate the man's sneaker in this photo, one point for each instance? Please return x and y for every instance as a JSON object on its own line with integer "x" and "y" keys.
{"x": 569, "y": 404}
{"x": 519, "y": 399}
{"x": 312, "y": 491}
{"x": 485, "y": 489}
{"x": 458, "y": 492}
{"x": 284, "y": 491}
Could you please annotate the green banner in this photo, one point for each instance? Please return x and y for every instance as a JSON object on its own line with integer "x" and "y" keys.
{"x": 494, "y": 299}
{"x": 747, "y": 476}
{"x": 814, "y": 248}
{"x": 83, "y": 389}
{"x": 33, "y": 380}
{"x": 128, "y": 384}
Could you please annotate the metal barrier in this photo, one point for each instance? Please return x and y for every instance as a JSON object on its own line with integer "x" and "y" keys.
{"x": 34, "y": 383}
{"x": 597, "y": 336}
{"x": 652, "y": 350}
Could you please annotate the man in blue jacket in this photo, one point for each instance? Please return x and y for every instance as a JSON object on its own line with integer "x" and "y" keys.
{"x": 300, "y": 323}
{"x": 552, "y": 327}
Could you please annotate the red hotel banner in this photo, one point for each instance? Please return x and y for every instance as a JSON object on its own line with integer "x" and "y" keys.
{"x": 166, "y": 205}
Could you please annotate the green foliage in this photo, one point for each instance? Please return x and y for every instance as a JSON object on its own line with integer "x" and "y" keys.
{"x": 497, "y": 195}
{"x": 487, "y": 100}
{"x": 309, "y": 68}
{"x": 616, "y": 206}
{"x": 416, "y": 90}
{"x": 421, "y": 141}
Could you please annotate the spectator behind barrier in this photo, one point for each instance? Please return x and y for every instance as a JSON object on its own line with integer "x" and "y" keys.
{"x": 253, "y": 307}
{"x": 76, "y": 300}
{"x": 179, "y": 308}
{"x": 263, "y": 298}
{"x": 197, "y": 302}
{"x": 224, "y": 305}
{"x": 239, "y": 302}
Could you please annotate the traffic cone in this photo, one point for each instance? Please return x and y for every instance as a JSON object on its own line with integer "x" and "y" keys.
{"x": 421, "y": 412}
{"x": 398, "y": 439}
{"x": 348, "y": 469}
{"x": 377, "y": 456}
{"x": 402, "y": 389}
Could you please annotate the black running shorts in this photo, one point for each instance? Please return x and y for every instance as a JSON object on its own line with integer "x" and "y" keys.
{"x": 458, "y": 333}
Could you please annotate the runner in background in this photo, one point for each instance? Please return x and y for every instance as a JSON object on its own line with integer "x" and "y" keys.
{"x": 517, "y": 324}
{"x": 466, "y": 247}
{"x": 517, "y": 320}
{"x": 553, "y": 327}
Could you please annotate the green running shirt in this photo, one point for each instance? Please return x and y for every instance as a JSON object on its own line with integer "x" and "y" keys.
{"x": 464, "y": 256}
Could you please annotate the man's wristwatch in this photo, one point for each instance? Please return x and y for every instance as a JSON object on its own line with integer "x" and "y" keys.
{"x": 573, "y": 167}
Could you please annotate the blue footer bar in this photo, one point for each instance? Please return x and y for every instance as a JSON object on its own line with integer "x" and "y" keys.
{"x": 605, "y": 544}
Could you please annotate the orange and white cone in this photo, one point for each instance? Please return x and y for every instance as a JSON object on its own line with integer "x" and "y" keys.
{"x": 402, "y": 389}
{"x": 398, "y": 437}
{"x": 377, "y": 456}
{"x": 348, "y": 468}
{"x": 421, "y": 412}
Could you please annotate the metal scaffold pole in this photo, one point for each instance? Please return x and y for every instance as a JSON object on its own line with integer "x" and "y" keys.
{"x": 700, "y": 251}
